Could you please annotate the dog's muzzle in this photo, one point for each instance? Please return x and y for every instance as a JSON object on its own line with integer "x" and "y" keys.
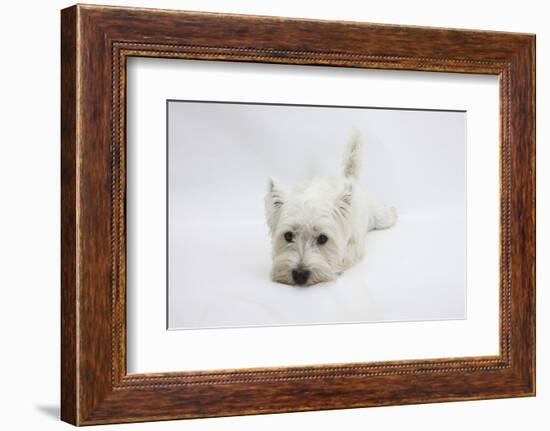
{"x": 300, "y": 276}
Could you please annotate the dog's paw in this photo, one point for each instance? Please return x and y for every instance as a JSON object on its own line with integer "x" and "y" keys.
{"x": 385, "y": 217}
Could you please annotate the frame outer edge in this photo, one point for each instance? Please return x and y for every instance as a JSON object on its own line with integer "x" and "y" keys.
{"x": 533, "y": 53}
{"x": 69, "y": 201}
{"x": 87, "y": 397}
{"x": 523, "y": 271}
{"x": 531, "y": 83}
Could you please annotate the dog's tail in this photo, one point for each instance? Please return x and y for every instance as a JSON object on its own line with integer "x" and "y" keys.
{"x": 352, "y": 157}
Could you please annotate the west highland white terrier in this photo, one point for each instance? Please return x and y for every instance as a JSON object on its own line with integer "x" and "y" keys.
{"x": 318, "y": 229}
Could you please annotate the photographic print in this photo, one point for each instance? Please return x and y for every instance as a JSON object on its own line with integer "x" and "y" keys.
{"x": 341, "y": 217}
{"x": 306, "y": 214}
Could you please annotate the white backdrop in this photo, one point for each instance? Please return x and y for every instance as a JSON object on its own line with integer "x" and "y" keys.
{"x": 220, "y": 156}
{"x": 29, "y": 228}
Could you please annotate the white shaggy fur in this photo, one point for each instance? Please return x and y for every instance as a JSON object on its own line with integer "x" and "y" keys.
{"x": 334, "y": 209}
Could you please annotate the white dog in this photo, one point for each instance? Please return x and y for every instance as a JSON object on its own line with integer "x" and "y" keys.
{"x": 318, "y": 230}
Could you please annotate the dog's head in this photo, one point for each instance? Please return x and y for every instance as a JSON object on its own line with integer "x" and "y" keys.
{"x": 309, "y": 231}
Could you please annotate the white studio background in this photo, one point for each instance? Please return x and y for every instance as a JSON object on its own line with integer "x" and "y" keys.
{"x": 29, "y": 228}
{"x": 220, "y": 156}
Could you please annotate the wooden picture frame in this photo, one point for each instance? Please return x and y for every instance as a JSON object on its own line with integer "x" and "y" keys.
{"x": 95, "y": 43}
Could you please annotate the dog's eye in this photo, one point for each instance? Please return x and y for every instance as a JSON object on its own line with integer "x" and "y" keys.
{"x": 322, "y": 239}
{"x": 289, "y": 236}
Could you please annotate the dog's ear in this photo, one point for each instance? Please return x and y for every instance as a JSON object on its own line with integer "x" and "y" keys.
{"x": 274, "y": 200}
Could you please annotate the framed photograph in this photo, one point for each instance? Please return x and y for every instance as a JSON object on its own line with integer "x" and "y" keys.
{"x": 264, "y": 214}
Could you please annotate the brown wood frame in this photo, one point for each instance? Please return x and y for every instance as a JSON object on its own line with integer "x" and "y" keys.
{"x": 95, "y": 43}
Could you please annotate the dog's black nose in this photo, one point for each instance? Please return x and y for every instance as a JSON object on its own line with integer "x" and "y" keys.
{"x": 300, "y": 276}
